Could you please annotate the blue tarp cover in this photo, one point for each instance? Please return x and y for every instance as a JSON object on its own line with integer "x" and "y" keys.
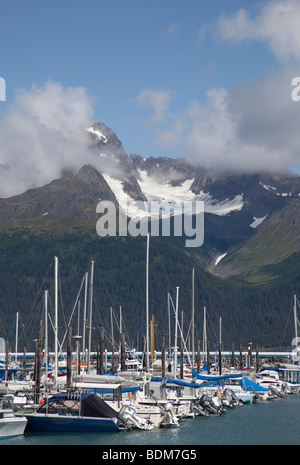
{"x": 214, "y": 377}
{"x": 179, "y": 382}
{"x": 249, "y": 385}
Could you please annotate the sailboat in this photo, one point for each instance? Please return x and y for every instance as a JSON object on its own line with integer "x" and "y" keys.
{"x": 290, "y": 372}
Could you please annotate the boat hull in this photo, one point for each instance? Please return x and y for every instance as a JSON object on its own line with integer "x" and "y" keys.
{"x": 12, "y": 426}
{"x": 72, "y": 424}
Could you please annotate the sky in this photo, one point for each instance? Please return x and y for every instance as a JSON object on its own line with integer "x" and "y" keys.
{"x": 207, "y": 81}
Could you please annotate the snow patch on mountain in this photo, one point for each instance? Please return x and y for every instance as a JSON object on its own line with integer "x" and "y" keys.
{"x": 221, "y": 207}
{"x": 153, "y": 189}
{"x": 220, "y": 258}
{"x": 122, "y": 197}
{"x": 267, "y": 187}
{"x": 163, "y": 191}
{"x": 257, "y": 221}
{"x": 97, "y": 133}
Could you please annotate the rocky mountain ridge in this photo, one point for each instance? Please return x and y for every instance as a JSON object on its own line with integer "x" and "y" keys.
{"x": 245, "y": 214}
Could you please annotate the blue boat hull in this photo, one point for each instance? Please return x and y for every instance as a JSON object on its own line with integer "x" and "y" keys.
{"x": 71, "y": 424}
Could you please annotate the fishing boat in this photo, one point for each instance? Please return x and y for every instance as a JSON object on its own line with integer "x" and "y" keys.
{"x": 10, "y": 424}
{"x": 75, "y": 412}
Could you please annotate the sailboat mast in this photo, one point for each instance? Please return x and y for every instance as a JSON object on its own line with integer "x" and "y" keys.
{"x": 176, "y": 325}
{"x": 17, "y": 336}
{"x": 147, "y": 303}
{"x": 46, "y": 332}
{"x": 84, "y": 313}
{"x": 56, "y": 319}
{"x": 169, "y": 319}
{"x": 220, "y": 347}
{"x": 90, "y": 314}
{"x": 193, "y": 317}
{"x": 295, "y": 319}
{"x": 204, "y": 336}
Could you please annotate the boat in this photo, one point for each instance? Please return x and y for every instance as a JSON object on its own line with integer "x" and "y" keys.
{"x": 148, "y": 407}
{"x": 11, "y": 425}
{"x": 182, "y": 394}
{"x": 75, "y": 412}
{"x": 270, "y": 379}
{"x": 261, "y": 392}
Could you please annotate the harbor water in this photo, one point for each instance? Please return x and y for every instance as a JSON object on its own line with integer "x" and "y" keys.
{"x": 274, "y": 422}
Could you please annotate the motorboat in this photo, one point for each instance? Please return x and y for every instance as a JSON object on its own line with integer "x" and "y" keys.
{"x": 75, "y": 412}
{"x": 11, "y": 425}
{"x": 270, "y": 379}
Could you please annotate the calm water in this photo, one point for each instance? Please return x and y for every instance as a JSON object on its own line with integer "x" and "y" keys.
{"x": 263, "y": 423}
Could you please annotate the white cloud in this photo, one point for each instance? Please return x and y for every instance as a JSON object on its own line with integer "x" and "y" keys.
{"x": 253, "y": 126}
{"x": 41, "y": 134}
{"x": 276, "y": 23}
{"x": 157, "y": 99}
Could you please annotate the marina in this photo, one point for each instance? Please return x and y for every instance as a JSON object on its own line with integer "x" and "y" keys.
{"x": 124, "y": 391}
{"x": 117, "y": 407}
{"x": 266, "y": 423}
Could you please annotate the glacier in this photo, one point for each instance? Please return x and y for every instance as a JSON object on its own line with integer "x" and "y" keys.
{"x": 156, "y": 190}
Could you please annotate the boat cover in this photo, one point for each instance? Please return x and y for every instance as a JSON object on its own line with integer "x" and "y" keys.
{"x": 131, "y": 389}
{"x": 249, "y": 385}
{"x": 215, "y": 377}
{"x": 174, "y": 381}
{"x": 94, "y": 406}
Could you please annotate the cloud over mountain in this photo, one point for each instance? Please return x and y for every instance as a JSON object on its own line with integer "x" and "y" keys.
{"x": 42, "y": 133}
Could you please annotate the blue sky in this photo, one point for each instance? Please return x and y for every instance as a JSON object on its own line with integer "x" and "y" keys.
{"x": 170, "y": 77}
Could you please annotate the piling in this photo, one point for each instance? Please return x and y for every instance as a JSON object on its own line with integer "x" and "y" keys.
{"x": 181, "y": 359}
{"x": 98, "y": 360}
{"x": 78, "y": 358}
{"x": 24, "y": 358}
{"x": 198, "y": 356}
{"x": 163, "y": 357}
{"x": 257, "y": 360}
{"x": 241, "y": 357}
{"x": 101, "y": 361}
{"x": 6, "y": 361}
{"x": 144, "y": 352}
{"x": 69, "y": 356}
{"x": 208, "y": 359}
{"x": 38, "y": 361}
{"x": 123, "y": 365}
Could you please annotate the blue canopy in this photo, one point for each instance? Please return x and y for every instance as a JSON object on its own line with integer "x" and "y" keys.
{"x": 215, "y": 377}
{"x": 179, "y": 382}
{"x": 249, "y": 385}
{"x": 131, "y": 389}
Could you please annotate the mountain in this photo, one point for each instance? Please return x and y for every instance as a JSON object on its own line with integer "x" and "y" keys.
{"x": 251, "y": 221}
{"x": 247, "y": 268}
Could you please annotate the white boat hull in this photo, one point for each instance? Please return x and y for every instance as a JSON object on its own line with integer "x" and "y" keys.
{"x": 12, "y": 426}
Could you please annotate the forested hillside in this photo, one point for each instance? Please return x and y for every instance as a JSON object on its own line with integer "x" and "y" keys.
{"x": 261, "y": 314}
